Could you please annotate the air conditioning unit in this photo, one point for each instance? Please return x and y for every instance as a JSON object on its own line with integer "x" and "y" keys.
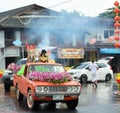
{"x": 100, "y": 37}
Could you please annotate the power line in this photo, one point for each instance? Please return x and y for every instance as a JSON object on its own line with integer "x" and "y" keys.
{"x": 60, "y": 3}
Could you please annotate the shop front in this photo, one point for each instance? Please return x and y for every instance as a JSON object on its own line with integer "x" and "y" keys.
{"x": 70, "y": 56}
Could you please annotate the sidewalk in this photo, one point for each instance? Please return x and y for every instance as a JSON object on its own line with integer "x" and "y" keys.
{"x": 115, "y": 86}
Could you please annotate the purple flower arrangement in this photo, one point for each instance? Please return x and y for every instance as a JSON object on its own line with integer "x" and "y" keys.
{"x": 50, "y": 77}
{"x": 14, "y": 67}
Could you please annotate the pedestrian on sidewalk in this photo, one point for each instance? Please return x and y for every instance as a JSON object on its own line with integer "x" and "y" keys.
{"x": 93, "y": 68}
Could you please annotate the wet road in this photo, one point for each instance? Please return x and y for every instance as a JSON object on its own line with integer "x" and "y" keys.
{"x": 100, "y": 100}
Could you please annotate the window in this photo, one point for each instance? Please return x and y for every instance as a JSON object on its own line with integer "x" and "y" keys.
{"x": 101, "y": 65}
{"x": 81, "y": 65}
{"x": 9, "y": 34}
{"x": 108, "y": 33}
{"x": 9, "y": 38}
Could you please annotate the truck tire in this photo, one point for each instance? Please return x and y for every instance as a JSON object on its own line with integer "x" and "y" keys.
{"x": 19, "y": 95}
{"x": 6, "y": 87}
{"x": 32, "y": 104}
{"x": 72, "y": 104}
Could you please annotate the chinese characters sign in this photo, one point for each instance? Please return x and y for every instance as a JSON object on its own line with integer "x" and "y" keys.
{"x": 71, "y": 53}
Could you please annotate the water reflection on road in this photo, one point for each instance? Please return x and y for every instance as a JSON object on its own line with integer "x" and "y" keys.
{"x": 100, "y": 100}
{"x": 101, "y": 95}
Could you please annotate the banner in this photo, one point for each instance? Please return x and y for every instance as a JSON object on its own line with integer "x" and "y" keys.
{"x": 12, "y": 51}
{"x": 71, "y": 53}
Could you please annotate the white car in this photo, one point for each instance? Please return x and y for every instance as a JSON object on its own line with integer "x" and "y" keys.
{"x": 106, "y": 59}
{"x": 82, "y": 73}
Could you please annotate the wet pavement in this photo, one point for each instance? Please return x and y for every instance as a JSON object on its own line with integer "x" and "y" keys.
{"x": 101, "y": 100}
{"x": 91, "y": 100}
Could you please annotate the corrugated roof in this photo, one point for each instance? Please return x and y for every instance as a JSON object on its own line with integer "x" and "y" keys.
{"x": 20, "y": 16}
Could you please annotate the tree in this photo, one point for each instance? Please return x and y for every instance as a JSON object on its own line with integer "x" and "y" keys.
{"x": 109, "y": 13}
{"x": 74, "y": 13}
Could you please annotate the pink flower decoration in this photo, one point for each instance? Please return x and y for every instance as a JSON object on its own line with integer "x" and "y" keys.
{"x": 51, "y": 77}
{"x": 13, "y": 67}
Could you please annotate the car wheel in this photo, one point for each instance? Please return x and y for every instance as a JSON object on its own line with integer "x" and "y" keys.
{"x": 32, "y": 104}
{"x": 7, "y": 87}
{"x": 83, "y": 79}
{"x": 108, "y": 77}
{"x": 19, "y": 96}
{"x": 72, "y": 104}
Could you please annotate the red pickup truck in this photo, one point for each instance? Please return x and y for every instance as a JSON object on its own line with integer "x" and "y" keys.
{"x": 46, "y": 83}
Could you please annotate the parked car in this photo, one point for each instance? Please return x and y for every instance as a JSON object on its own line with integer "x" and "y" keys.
{"x": 112, "y": 61}
{"x": 106, "y": 59}
{"x": 22, "y": 61}
{"x": 82, "y": 73}
{"x": 7, "y": 77}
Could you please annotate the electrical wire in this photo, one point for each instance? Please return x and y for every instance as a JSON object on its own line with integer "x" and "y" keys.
{"x": 60, "y": 3}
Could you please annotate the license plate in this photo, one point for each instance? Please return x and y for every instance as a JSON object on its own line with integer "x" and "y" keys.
{"x": 58, "y": 97}
{"x": 11, "y": 78}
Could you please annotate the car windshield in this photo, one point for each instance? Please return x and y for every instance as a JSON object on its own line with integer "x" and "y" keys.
{"x": 21, "y": 62}
{"x": 46, "y": 68}
{"x": 81, "y": 66}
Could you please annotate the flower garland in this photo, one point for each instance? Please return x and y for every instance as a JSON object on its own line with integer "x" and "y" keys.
{"x": 50, "y": 77}
{"x": 14, "y": 67}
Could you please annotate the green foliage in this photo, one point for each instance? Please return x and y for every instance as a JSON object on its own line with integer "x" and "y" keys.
{"x": 109, "y": 13}
{"x": 71, "y": 14}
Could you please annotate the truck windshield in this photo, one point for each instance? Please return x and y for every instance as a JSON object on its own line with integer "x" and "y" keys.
{"x": 46, "y": 68}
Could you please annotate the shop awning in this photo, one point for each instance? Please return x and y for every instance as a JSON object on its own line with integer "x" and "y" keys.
{"x": 110, "y": 50}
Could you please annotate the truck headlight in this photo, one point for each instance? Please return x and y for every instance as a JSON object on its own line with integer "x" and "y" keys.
{"x": 73, "y": 89}
{"x": 42, "y": 89}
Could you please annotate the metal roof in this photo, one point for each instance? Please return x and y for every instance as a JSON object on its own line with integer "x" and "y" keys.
{"x": 26, "y": 15}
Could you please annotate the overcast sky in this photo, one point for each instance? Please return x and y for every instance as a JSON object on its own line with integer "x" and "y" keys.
{"x": 87, "y": 7}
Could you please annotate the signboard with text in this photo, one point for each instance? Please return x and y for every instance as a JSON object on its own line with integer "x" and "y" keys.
{"x": 12, "y": 52}
{"x": 71, "y": 53}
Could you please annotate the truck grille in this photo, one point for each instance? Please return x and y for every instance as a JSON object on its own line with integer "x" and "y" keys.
{"x": 58, "y": 89}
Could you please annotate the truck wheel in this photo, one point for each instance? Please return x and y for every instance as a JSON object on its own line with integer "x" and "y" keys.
{"x": 7, "y": 87}
{"x": 32, "y": 104}
{"x": 72, "y": 104}
{"x": 19, "y": 95}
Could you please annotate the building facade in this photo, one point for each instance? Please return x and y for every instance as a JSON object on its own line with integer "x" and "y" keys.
{"x": 70, "y": 40}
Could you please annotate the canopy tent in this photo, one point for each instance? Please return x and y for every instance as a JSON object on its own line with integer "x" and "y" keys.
{"x": 110, "y": 50}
